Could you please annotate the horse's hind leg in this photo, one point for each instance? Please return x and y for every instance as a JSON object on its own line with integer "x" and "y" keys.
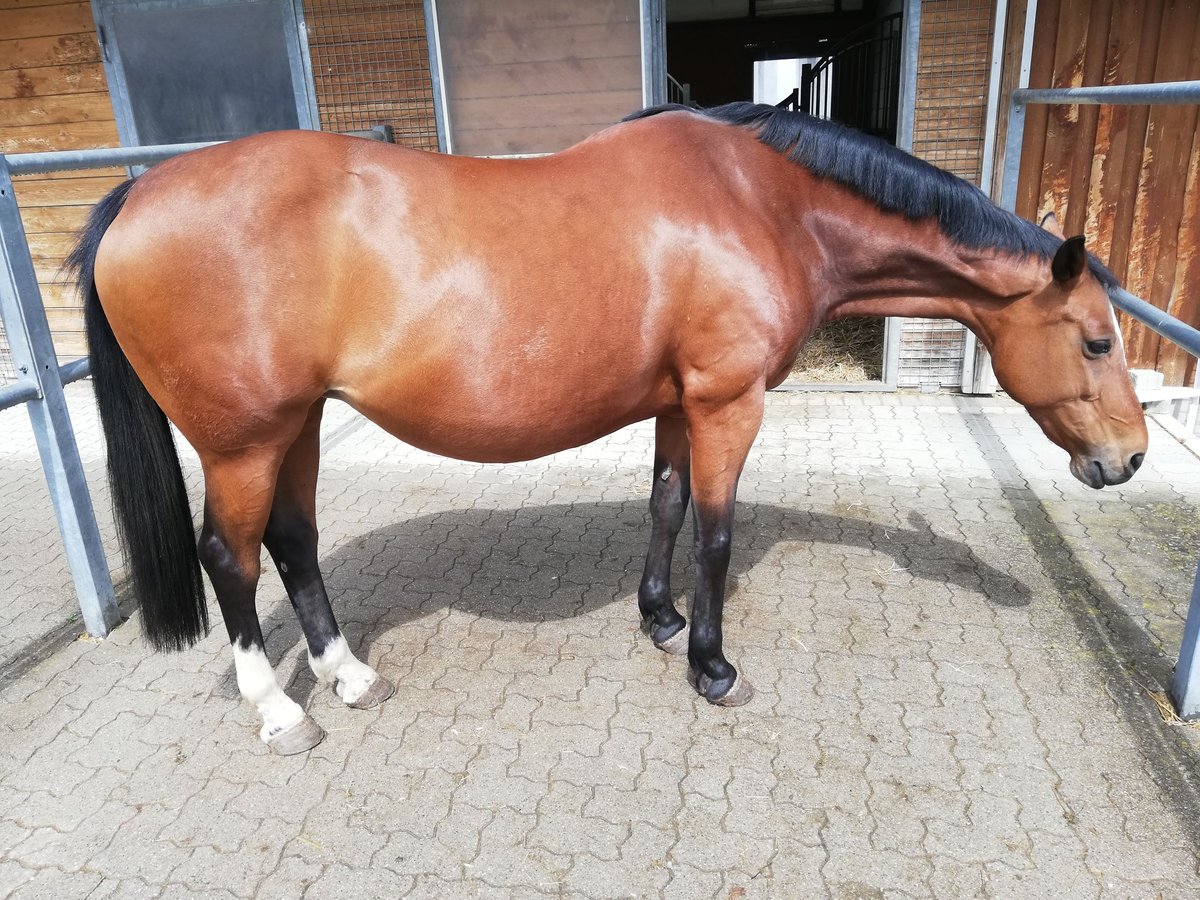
{"x": 668, "y": 505}
{"x": 291, "y": 539}
{"x": 238, "y": 493}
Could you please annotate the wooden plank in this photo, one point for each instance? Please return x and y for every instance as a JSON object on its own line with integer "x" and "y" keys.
{"x": 531, "y": 112}
{"x": 1187, "y": 273}
{"x": 1063, "y": 120}
{"x": 1136, "y": 66}
{"x": 1160, "y": 185}
{"x": 1114, "y": 139}
{"x": 1081, "y": 156}
{"x": 50, "y": 247}
{"x": 58, "y": 294}
{"x": 46, "y": 21}
{"x": 31, "y": 4}
{"x": 506, "y": 47}
{"x": 50, "y": 80}
{"x": 1037, "y": 118}
{"x": 525, "y": 16}
{"x": 38, "y": 138}
{"x": 54, "y": 219}
{"x": 549, "y": 76}
{"x": 113, "y": 171}
{"x": 58, "y": 109}
{"x": 502, "y": 141}
{"x": 63, "y": 49}
{"x": 1175, "y": 130}
{"x": 65, "y": 191}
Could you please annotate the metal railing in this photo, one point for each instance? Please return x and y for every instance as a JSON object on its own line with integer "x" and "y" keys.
{"x": 1186, "y": 688}
{"x": 40, "y": 379}
{"x": 857, "y": 82}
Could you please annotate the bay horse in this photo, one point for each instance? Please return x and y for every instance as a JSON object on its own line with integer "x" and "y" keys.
{"x": 499, "y": 310}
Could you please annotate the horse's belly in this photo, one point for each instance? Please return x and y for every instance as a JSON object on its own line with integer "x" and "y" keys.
{"x": 507, "y": 426}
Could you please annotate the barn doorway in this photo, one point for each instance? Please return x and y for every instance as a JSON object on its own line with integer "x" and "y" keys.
{"x": 836, "y": 59}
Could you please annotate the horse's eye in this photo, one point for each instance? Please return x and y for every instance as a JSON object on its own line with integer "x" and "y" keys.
{"x": 1098, "y": 348}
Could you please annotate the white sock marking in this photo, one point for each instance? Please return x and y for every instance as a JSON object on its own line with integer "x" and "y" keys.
{"x": 338, "y": 664}
{"x": 256, "y": 681}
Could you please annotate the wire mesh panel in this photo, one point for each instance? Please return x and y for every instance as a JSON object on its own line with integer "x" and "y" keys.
{"x": 953, "y": 64}
{"x": 370, "y": 61}
{"x": 7, "y": 372}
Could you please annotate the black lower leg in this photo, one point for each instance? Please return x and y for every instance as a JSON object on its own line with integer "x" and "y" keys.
{"x": 291, "y": 539}
{"x": 234, "y": 587}
{"x": 668, "y": 505}
{"x": 714, "y": 676}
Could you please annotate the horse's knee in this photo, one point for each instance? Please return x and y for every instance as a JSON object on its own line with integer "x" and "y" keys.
{"x": 714, "y": 549}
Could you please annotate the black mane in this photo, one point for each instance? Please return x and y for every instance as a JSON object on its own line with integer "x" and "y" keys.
{"x": 890, "y": 178}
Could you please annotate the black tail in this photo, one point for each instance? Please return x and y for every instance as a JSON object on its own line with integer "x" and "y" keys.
{"x": 150, "y": 501}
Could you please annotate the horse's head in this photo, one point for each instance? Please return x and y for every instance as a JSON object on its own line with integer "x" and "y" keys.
{"x": 1060, "y": 355}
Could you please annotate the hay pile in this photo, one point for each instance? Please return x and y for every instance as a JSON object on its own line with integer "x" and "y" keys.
{"x": 842, "y": 353}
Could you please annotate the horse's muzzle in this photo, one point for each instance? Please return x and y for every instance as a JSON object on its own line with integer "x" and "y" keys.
{"x": 1096, "y": 474}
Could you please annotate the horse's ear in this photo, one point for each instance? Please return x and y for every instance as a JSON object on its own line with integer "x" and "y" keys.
{"x": 1070, "y": 260}
{"x": 1050, "y": 223}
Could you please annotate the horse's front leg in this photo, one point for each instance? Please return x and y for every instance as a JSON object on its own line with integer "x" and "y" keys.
{"x": 721, "y": 435}
{"x": 291, "y": 539}
{"x": 668, "y": 505}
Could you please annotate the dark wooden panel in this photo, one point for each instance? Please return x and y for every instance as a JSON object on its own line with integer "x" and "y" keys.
{"x": 1125, "y": 176}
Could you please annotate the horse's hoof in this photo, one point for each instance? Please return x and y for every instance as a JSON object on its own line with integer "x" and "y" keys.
{"x": 304, "y": 735}
{"x": 676, "y": 644}
{"x": 738, "y": 695}
{"x": 377, "y": 691}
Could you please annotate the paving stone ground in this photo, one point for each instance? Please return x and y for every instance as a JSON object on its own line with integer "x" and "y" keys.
{"x": 952, "y": 640}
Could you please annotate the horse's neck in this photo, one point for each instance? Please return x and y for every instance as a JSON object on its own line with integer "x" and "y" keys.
{"x": 889, "y": 266}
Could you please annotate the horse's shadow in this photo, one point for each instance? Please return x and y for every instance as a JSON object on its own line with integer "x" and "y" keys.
{"x": 543, "y": 563}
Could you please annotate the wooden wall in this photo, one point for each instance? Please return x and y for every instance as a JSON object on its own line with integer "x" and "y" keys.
{"x": 531, "y": 76}
{"x": 53, "y": 96}
{"x": 953, "y": 58}
{"x": 1126, "y": 176}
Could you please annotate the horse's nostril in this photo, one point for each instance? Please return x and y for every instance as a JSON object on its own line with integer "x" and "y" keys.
{"x": 1135, "y": 461}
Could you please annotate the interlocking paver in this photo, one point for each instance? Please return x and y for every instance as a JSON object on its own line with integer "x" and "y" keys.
{"x": 952, "y": 642}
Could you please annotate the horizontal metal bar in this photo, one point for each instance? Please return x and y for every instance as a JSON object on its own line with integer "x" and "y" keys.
{"x": 75, "y": 369}
{"x": 1157, "y": 320}
{"x": 20, "y": 391}
{"x": 1117, "y": 94}
{"x": 59, "y": 160}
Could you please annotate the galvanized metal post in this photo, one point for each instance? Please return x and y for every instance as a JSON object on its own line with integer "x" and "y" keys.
{"x": 33, "y": 355}
{"x": 1186, "y": 689}
{"x": 441, "y": 112}
{"x": 654, "y": 51}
